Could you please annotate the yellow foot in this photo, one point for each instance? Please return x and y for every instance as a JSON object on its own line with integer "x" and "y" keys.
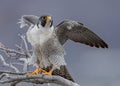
{"x": 38, "y": 70}
{"x": 35, "y": 72}
{"x": 48, "y": 73}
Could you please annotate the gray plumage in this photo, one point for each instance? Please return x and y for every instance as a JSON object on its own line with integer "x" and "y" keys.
{"x": 50, "y": 52}
{"x": 79, "y": 33}
{"x": 48, "y": 41}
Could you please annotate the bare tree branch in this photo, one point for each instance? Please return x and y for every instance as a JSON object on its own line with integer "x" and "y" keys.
{"x": 14, "y": 73}
{"x": 39, "y": 79}
{"x": 12, "y": 52}
{"x": 25, "y": 64}
{"x": 14, "y": 69}
{"x": 3, "y": 75}
{"x": 26, "y": 46}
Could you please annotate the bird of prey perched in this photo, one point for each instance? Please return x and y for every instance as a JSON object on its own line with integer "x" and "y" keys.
{"x": 48, "y": 40}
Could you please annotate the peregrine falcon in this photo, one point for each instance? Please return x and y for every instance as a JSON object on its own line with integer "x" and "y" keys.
{"x": 48, "y": 40}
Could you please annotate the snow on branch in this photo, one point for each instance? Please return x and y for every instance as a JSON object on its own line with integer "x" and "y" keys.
{"x": 27, "y": 51}
{"x": 11, "y": 52}
{"x": 13, "y": 68}
{"x": 23, "y": 51}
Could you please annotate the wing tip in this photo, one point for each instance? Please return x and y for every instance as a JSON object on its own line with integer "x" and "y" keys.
{"x": 103, "y": 45}
{"x": 97, "y": 45}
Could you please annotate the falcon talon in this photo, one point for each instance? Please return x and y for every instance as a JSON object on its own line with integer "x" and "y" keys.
{"x": 35, "y": 72}
{"x": 47, "y": 73}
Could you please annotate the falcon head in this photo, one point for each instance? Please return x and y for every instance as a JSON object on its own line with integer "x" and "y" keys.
{"x": 45, "y": 21}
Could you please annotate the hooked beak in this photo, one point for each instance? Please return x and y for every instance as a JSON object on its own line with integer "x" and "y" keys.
{"x": 49, "y": 18}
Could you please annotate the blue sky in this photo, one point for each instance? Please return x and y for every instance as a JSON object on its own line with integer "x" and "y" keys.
{"x": 89, "y": 66}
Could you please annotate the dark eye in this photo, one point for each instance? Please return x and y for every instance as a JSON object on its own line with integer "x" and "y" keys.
{"x": 43, "y": 18}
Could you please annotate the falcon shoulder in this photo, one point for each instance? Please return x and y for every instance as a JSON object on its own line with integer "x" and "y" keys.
{"x": 79, "y": 33}
{"x": 28, "y": 20}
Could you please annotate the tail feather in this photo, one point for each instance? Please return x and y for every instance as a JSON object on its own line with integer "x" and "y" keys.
{"x": 63, "y": 72}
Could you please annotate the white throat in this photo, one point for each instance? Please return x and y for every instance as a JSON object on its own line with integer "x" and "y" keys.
{"x": 39, "y": 35}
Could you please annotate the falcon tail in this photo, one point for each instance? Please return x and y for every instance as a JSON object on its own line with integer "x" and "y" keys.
{"x": 63, "y": 72}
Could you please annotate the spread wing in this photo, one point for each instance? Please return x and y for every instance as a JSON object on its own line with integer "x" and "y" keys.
{"x": 28, "y": 20}
{"x": 79, "y": 33}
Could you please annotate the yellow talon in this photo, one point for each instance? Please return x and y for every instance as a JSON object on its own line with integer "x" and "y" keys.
{"x": 38, "y": 70}
{"x": 48, "y": 73}
{"x": 35, "y": 72}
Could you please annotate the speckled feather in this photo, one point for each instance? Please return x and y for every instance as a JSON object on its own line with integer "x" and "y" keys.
{"x": 51, "y": 52}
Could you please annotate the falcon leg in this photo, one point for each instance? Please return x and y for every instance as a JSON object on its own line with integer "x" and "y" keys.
{"x": 48, "y": 73}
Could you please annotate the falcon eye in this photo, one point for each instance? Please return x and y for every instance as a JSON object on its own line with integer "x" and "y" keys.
{"x": 43, "y": 18}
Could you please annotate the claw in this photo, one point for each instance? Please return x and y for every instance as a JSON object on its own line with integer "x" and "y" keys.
{"x": 35, "y": 72}
{"x": 39, "y": 70}
{"x": 48, "y": 73}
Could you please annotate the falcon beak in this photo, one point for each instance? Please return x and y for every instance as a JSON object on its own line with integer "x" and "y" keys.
{"x": 49, "y": 18}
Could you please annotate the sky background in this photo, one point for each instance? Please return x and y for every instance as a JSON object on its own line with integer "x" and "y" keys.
{"x": 88, "y": 66}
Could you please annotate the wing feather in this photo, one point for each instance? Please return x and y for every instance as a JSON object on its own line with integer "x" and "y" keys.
{"x": 28, "y": 20}
{"x": 78, "y": 33}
